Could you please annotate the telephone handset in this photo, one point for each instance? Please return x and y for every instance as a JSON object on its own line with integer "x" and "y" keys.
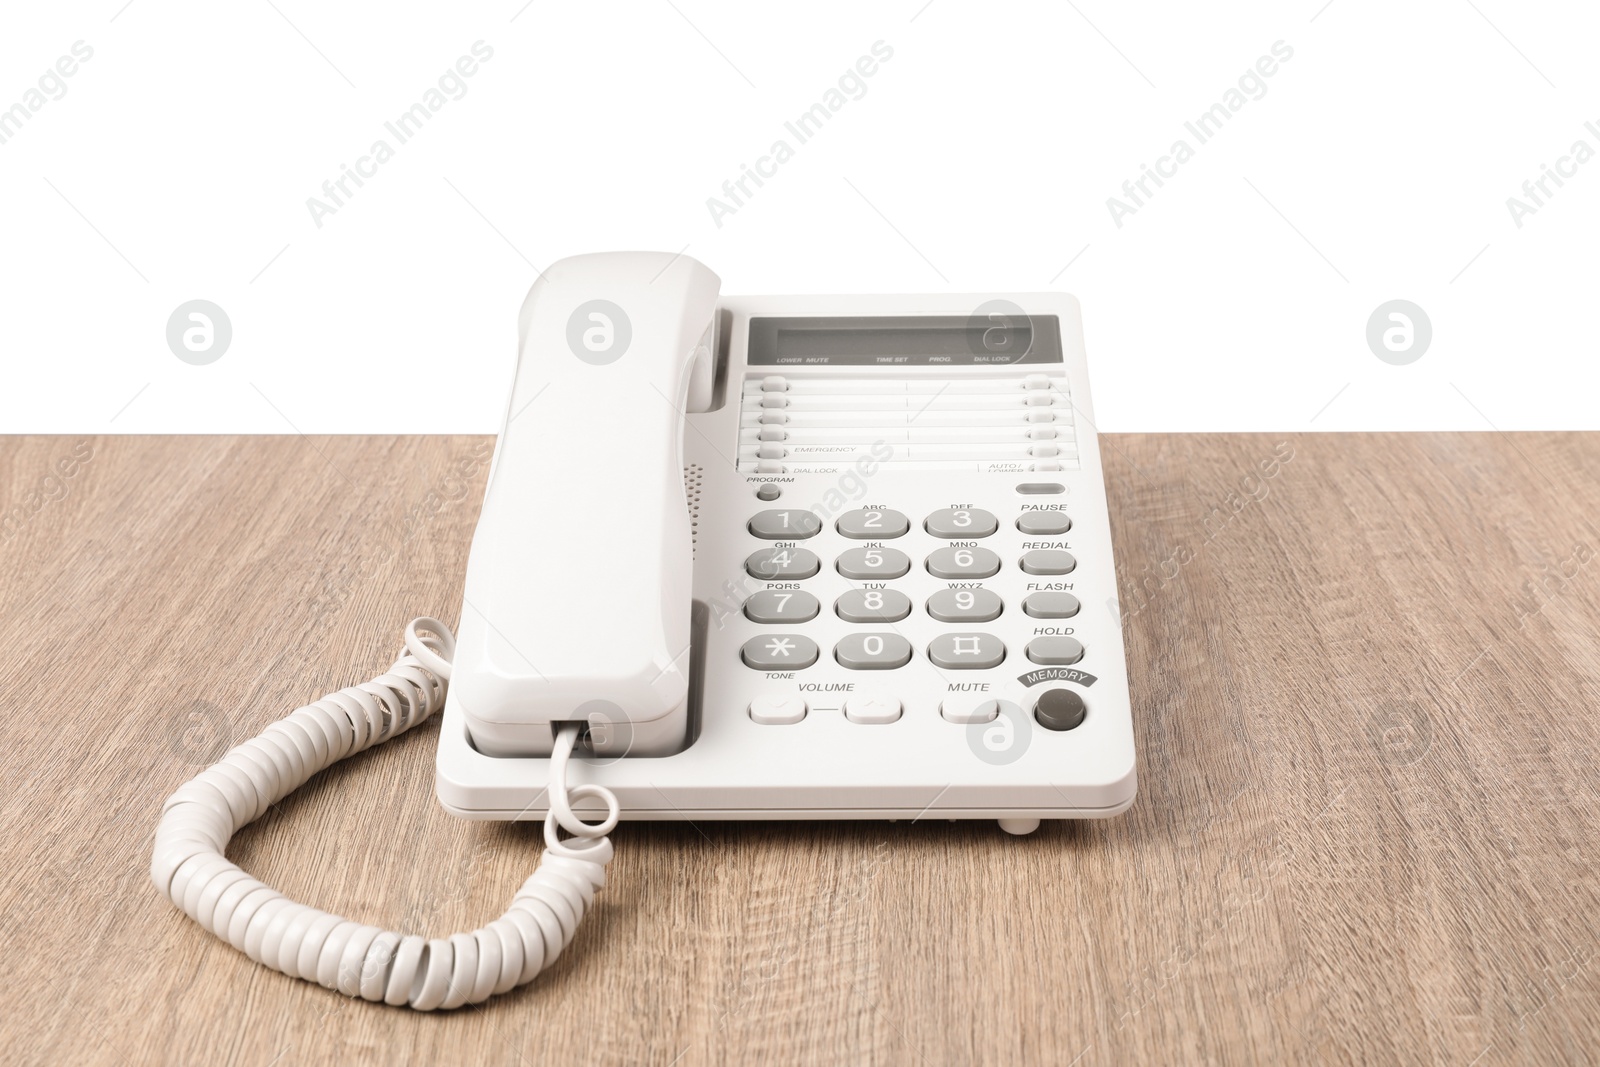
{"x": 803, "y": 557}
{"x": 578, "y": 589}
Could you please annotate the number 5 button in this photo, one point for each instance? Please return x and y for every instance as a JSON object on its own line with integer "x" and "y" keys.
{"x": 865, "y": 564}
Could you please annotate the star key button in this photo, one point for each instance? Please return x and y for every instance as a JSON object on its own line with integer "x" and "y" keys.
{"x": 779, "y": 652}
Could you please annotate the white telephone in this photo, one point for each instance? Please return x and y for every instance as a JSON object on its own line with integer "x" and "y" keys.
{"x": 748, "y": 558}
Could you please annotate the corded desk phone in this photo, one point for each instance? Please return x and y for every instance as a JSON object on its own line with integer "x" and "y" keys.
{"x": 796, "y": 557}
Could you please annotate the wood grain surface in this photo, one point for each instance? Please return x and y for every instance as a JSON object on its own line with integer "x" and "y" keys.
{"x": 1365, "y": 690}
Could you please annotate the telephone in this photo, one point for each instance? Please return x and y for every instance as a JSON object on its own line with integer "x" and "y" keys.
{"x": 799, "y": 557}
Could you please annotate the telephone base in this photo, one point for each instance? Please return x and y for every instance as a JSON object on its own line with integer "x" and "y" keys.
{"x": 813, "y": 773}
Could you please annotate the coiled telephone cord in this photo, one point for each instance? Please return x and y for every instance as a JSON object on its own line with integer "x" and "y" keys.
{"x": 198, "y": 820}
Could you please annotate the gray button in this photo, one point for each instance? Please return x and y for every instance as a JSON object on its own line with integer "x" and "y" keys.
{"x": 965, "y": 605}
{"x": 963, "y": 563}
{"x": 769, "y": 491}
{"x": 771, "y": 564}
{"x": 1051, "y": 605}
{"x": 864, "y": 524}
{"x": 781, "y": 605}
{"x": 1048, "y": 561}
{"x": 1055, "y": 651}
{"x": 779, "y": 652}
{"x": 1044, "y": 523}
{"x": 961, "y": 522}
{"x": 970, "y": 652}
{"x": 873, "y": 605}
{"x": 784, "y": 524}
{"x": 865, "y": 564}
{"x": 873, "y": 652}
{"x": 1059, "y": 709}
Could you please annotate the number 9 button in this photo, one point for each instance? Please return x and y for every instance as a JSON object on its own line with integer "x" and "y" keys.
{"x": 965, "y": 605}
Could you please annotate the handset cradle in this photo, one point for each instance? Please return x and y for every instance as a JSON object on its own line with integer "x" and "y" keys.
{"x": 578, "y": 589}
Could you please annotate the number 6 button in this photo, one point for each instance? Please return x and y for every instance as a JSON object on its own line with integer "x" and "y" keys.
{"x": 963, "y": 563}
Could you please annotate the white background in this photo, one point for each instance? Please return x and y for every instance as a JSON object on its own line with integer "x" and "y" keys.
{"x": 1377, "y": 166}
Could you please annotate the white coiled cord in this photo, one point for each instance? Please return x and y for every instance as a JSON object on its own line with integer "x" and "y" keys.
{"x": 198, "y": 820}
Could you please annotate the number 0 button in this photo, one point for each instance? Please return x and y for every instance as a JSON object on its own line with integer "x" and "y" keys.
{"x": 783, "y": 524}
{"x": 961, "y": 522}
{"x": 873, "y": 652}
{"x": 963, "y": 563}
{"x": 779, "y": 652}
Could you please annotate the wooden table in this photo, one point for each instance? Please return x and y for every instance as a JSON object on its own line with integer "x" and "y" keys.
{"x": 1365, "y": 692}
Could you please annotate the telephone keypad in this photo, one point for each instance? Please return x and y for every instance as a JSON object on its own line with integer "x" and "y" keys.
{"x": 873, "y": 564}
{"x": 887, "y": 651}
{"x": 961, "y": 522}
{"x": 867, "y": 523}
{"x": 967, "y": 652}
{"x": 959, "y": 563}
{"x": 873, "y": 605}
{"x": 786, "y": 524}
{"x": 779, "y": 652}
{"x": 774, "y": 564}
{"x": 781, "y": 605}
{"x": 965, "y": 605}
{"x": 873, "y": 652}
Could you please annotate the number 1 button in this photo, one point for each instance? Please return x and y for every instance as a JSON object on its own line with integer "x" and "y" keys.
{"x": 784, "y": 524}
